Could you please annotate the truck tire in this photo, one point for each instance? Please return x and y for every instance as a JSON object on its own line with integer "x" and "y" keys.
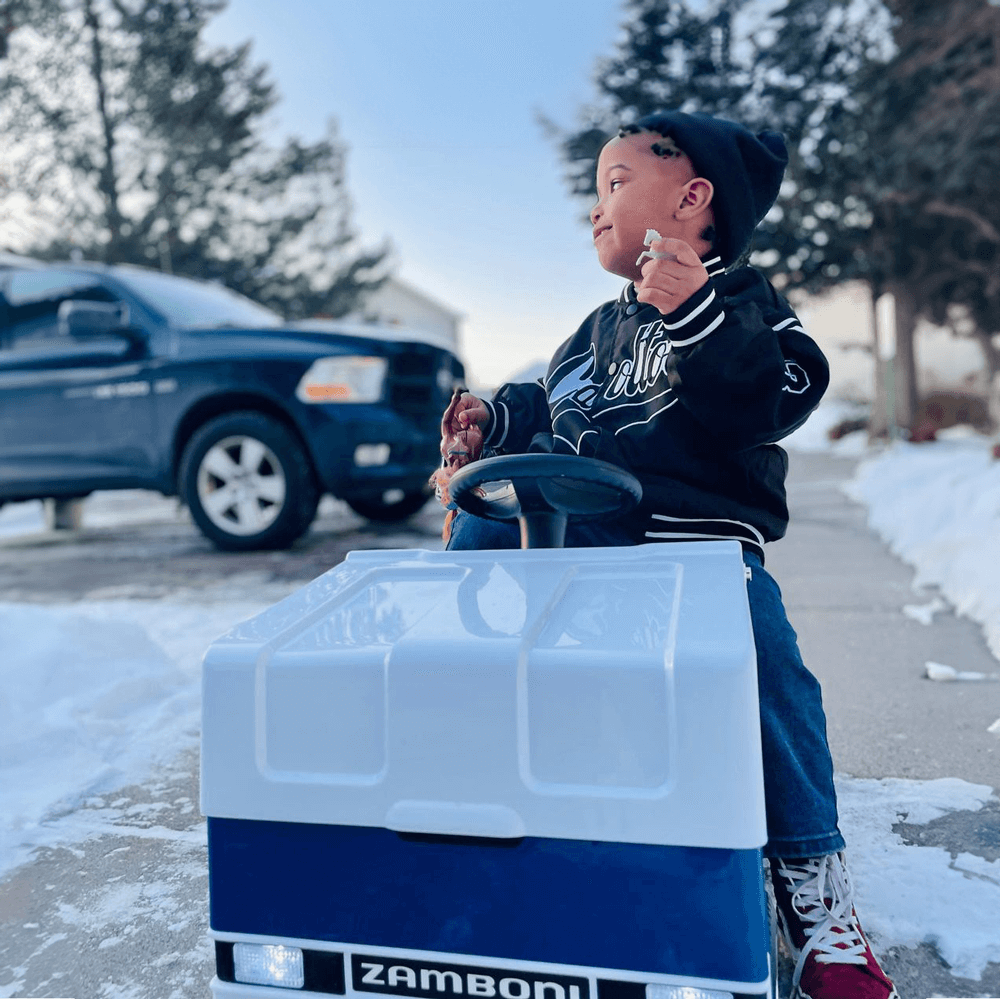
{"x": 248, "y": 482}
{"x": 392, "y": 505}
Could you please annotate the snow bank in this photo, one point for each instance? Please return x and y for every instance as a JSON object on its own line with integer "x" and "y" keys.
{"x": 938, "y": 506}
{"x": 92, "y": 697}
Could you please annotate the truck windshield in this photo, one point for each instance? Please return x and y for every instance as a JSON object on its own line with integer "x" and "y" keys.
{"x": 192, "y": 304}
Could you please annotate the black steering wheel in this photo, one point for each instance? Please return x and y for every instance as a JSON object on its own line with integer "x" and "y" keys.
{"x": 542, "y": 491}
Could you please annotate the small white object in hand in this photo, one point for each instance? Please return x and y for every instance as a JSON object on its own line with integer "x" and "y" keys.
{"x": 651, "y": 235}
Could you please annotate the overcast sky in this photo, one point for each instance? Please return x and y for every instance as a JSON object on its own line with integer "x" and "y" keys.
{"x": 436, "y": 101}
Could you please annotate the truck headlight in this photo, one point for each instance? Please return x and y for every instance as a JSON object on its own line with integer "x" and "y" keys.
{"x": 343, "y": 379}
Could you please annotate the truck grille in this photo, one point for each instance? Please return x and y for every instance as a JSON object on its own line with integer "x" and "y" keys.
{"x": 415, "y": 389}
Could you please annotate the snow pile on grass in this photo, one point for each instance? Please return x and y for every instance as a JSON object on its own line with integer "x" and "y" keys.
{"x": 937, "y": 504}
{"x": 92, "y": 697}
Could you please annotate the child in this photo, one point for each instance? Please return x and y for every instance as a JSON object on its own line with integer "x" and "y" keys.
{"x": 687, "y": 380}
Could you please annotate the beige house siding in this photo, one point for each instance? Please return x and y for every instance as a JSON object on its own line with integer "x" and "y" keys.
{"x": 396, "y": 303}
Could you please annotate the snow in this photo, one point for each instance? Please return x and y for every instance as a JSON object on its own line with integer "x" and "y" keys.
{"x": 908, "y": 895}
{"x": 97, "y": 695}
{"x": 22, "y": 518}
{"x": 937, "y": 504}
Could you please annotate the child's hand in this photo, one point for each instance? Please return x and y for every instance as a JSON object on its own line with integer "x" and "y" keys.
{"x": 461, "y": 440}
{"x": 461, "y": 430}
{"x": 463, "y": 412}
{"x": 669, "y": 281}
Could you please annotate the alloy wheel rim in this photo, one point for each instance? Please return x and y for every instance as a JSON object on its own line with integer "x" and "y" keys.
{"x": 241, "y": 485}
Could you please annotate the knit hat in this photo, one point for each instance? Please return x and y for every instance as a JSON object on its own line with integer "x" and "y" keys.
{"x": 745, "y": 170}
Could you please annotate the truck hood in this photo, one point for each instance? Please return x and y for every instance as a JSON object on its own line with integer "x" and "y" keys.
{"x": 309, "y": 338}
{"x": 373, "y": 331}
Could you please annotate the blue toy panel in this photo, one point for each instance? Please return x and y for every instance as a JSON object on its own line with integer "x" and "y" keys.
{"x": 685, "y": 911}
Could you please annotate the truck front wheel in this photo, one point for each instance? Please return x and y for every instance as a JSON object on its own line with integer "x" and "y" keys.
{"x": 248, "y": 482}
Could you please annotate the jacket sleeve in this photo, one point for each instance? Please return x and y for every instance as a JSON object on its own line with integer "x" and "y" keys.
{"x": 518, "y": 411}
{"x": 742, "y": 365}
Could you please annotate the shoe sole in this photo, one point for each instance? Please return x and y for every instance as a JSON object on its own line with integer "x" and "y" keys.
{"x": 797, "y": 993}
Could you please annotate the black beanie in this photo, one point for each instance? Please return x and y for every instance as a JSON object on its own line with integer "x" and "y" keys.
{"x": 745, "y": 170}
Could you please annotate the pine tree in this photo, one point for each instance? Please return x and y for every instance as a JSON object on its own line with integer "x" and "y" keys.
{"x": 791, "y": 70}
{"x": 128, "y": 140}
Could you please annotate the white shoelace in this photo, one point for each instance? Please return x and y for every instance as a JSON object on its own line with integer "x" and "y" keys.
{"x": 823, "y": 898}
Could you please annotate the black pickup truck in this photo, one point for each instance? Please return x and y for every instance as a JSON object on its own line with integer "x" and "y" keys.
{"x": 119, "y": 377}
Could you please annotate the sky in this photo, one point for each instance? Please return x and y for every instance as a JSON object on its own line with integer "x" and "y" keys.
{"x": 436, "y": 101}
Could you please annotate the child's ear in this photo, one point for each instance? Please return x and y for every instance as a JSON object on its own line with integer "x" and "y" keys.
{"x": 697, "y": 196}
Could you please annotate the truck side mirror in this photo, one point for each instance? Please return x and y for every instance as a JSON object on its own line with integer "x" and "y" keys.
{"x": 83, "y": 320}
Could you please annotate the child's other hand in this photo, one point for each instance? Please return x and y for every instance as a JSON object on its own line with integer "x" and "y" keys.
{"x": 461, "y": 440}
{"x": 668, "y": 282}
{"x": 463, "y": 412}
{"x": 461, "y": 429}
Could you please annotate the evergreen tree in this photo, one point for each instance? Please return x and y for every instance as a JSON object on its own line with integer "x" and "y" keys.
{"x": 790, "y": 70}
{"x": 128, "y": 140}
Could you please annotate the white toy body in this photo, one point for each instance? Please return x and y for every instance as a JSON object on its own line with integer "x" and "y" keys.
{"x": 526, "y": 774}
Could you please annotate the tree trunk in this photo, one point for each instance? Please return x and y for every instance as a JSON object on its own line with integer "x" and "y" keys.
{"x": 991, "y": 360}
{"x": 905, "y": 362}
{"x": 991, "y": 354}
{"x": 878, "y": 422}
{"x": 109, "y": 180}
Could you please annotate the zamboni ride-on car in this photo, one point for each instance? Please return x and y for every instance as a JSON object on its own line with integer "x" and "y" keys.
{"x": 529, "y": 774}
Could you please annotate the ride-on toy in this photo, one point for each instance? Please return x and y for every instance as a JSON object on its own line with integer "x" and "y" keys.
{"x": 526, "y": 774}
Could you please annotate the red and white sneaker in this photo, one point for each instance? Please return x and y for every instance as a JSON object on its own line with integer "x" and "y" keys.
{"x": 833, "y": 959}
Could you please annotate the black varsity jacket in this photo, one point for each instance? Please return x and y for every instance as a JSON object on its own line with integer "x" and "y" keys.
{"x": 691, "y": 403}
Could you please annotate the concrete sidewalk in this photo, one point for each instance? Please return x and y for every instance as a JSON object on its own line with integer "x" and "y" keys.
{"x": 844, "y": 592}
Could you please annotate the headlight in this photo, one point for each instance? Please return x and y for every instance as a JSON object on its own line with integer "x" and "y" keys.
{"x": 268, "y": 964}
{"x": 343, "y": 379}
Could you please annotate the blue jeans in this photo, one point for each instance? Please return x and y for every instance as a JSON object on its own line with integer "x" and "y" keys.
{"x": 799, "y": 795}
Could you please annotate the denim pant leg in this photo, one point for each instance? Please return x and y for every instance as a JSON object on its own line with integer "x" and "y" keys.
{"x": 799, "y": 795}
{"x": 470, "y": 533}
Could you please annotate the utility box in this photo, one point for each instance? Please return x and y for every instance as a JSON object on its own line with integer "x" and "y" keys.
{"x": 532, "y": 772}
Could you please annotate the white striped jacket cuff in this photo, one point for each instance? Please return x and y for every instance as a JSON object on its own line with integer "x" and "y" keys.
{"x": 498, "y": 426}
{"x": 696, "y": 318}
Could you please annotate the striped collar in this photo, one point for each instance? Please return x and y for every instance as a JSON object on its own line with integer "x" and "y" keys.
{"x": 713, "y": 265}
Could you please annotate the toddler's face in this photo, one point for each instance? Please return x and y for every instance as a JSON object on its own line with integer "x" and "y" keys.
{"x": 636, "y": 190}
